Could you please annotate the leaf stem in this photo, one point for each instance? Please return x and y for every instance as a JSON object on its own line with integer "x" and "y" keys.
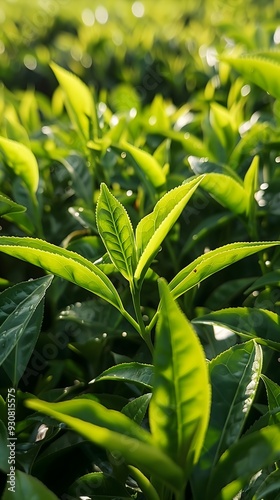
{"x": 144, "y": 332}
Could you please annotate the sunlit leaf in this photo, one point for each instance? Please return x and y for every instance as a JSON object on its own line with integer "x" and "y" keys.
{"x": 137, "y": 373}
{"x": 116, "y": 231}
{"x": 212, "y": 262}
{"x": 22, "y": 161}
{"x": 147, "y": 164}
{"x": 64, "y": 263}
{"x": 180, "y": 405}
{"x": 115, "y": 432}
{"x": 153, "y": 228}
{"x": 8, "y": 206}
{"x": 226, "y": 190}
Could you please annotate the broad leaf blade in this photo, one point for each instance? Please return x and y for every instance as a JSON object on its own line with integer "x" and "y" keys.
{"x": 22, "y": 161}
{"x": 241, "y": 461}
{"x": 64, "y": 263}
{"x": 105, "y": 487}
{"x": 116, "y": 231}
{"x": 226, "y": 190}
{"x": 28, "y": 487}
{"x": 147, "y": 164}
{"x": 212, "y": 262}
{"x": 234, "y": 376}
{"x": 180, "y": 405}
{"x": 273, "y": 397}
{"x": 261, "y": 69}
{"x": 250, "y": 323}
{"x": 136, "y": 409}
{"x": 18, "y": 305}
{"x": 153, "y": 228}
{"x": 78, "y": 99}
{"x": 115, "y": 432}
{"x": 137, "y": 373}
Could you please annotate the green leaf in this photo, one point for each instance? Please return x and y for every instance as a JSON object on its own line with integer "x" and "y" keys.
{"x": 180, "y": 405}
{"x": 78, "y": 100}
{"x": 20, "y": 323}
{"x": 153, "y": 228}
{"x": 27, "y": 486}
{"x": 250, "y": 323}
{"x": 22, "y": 161}
{"x": 234, "y": 376}
{"x": 242, "y": 460}
{"x": 116, "y": 231}
{"x": 4, "y": 450}
{"x": 273, "y": 397}
{"x": 251, "y": 185}
{"x": 136, "y": 409}
{"x": 226, "y": 191}
{"x": 212, "y": 262}
{"x": 136, "y": 373}
{"x": 272, "y": 278}
{"x": 105, "y": 487}
{"x": 271, "y": 484}
{"x": 7, "y": 206}
{"x": 115, "y": 432}
{"x": 64, "y": 263}
{"x": 263, "y": 69}
{"x": 147, "y": 164}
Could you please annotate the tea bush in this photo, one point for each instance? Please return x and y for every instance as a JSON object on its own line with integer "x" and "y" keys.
{"x": 139, "y": 247}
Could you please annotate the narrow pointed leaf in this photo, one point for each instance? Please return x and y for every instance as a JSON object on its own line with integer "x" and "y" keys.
{"x": 180, "y": 405}
{"x": 153, "y": 228}
{"x": 271, "y": 484}
{"x": 115, "y": 432}
{"x": 251, "y": 184}
{"x": 28, "y": 487}
{"x": 250, "y": 323}
{"x": 226, "y": 191}
{"x": 136, "y": 409}
{"x": 272, "y": 278}
{"x": 234, "y": 376}
{"x": 78, "y": 99}
{"x": 212, "y": 262}
{"x": 261, "y": 69}
{"x": 241, "y": 461}
{"x": 138, "y": 373}
{"x": 116, "y": 231}
{"x": 22, "y": 161}
{"x": 273, "y": 397}
{"x": 147, "y": 164}
{"x": 64, "y": 263}
{"x": 8, "y": 206}
{"x": 18, "y": 305}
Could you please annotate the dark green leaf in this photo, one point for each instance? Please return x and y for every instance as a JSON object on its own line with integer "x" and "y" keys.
{"x": 104, "y": 487}
{"x": 136, "y": 409}
{"x": 136, "y": 373}
{"x": 8, "y": 206}
{"x": 27, "y": 487}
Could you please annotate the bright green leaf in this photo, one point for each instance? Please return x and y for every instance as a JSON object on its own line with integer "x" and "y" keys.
{"x": 226, "y": 191}
{"x": 153, "y": 228}
{"x": 78, "y": 100}
{"x": 250, "y": 323}
{"x": 180, "y": 405}
{"x": 116, "y": 231}
{"x": 136, "y": 373}
{"x": 147, "y": 164}
{"x": 22, "y": 161}
{"x": 7, "y": 206}
{"x": 212, "y": 262}
{"x": 115, "y": 432}
{"x": 251, "y": 185}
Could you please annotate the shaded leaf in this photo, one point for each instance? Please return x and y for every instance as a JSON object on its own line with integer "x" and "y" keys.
{"x": 136, "y": 409}
{"x": 273, "y": 397}
{"x": 271, "y": 484}
{"x": 136, "y": 373}
{"x": 180, "y": 405}
{"x": 105, "y": 487}
{"x": 7, "y": 206}
{"x": 27, "y": 486}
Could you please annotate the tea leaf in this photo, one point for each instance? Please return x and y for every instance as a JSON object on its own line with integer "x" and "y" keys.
{"x": 104, "y": 486}
{"x": 273, "y": 397}
{"x": 20, "y": 319}
{"x": 115, "y": 432}
{"x": 136, "y": 409}
{"x": 250, "y": 185}
{"x": 234, "y": 376}
{"x": 147, "y": 163}
{"x": 78, "y": 100}
{"x": 242, "y": 460}
{"x": 226, "y": 190}
{"x": 28, "y": 486}
{"x": 8, "y": 206}
{"x": 212, "y": 262}
{"x": 22, "y": 161}
{"x": 180, "y": 405}
{"x": 64, "y": 263}
{"x": 116, "y": 232}
{"x": 271, "y": 484}
{"x": 138, "y": 373}
{"x": 250, "y": 323}
{"x": 153, "y": 228}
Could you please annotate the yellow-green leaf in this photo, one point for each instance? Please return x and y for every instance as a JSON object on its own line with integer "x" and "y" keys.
{"x": 23, "y": 162}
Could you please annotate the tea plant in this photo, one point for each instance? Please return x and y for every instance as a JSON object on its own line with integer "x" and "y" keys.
{"x": 153, "y": 372}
